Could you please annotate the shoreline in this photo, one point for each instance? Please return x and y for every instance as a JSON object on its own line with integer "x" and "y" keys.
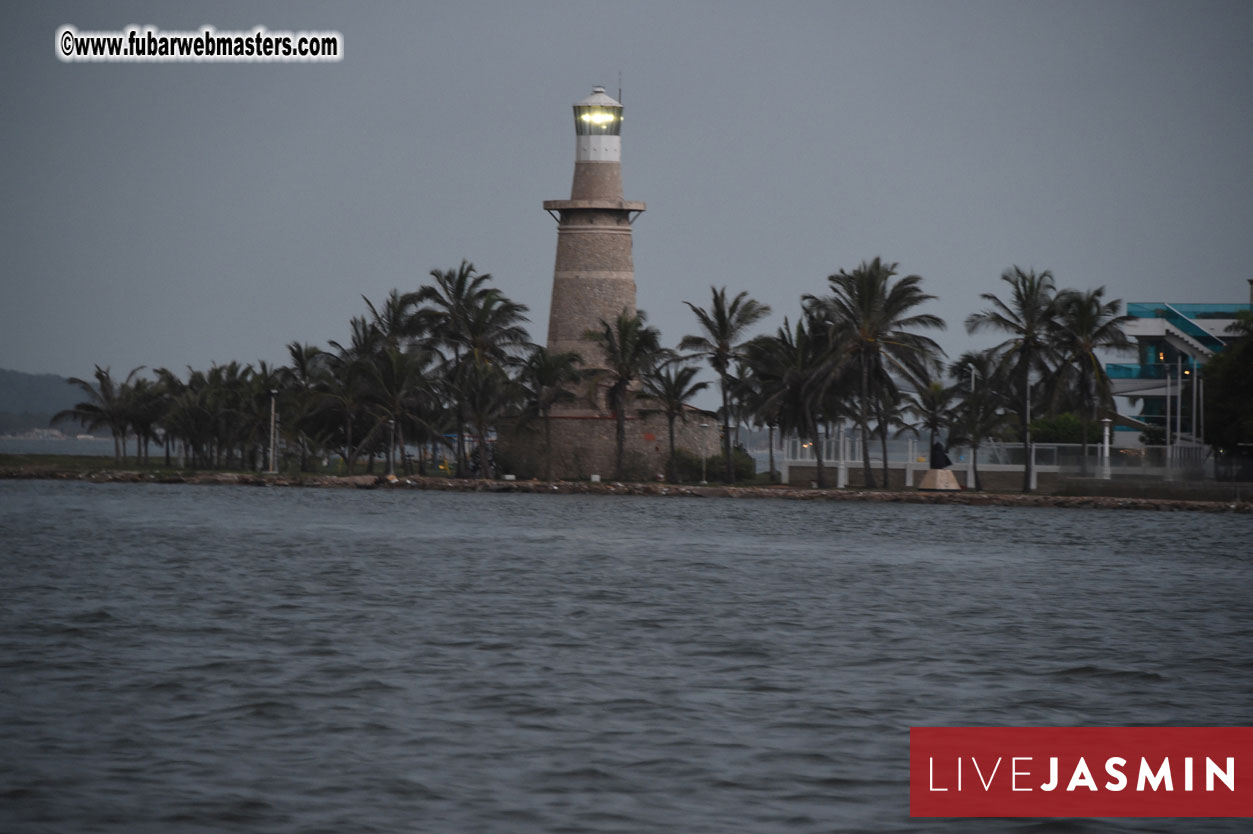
{"x": 963, "y": 498}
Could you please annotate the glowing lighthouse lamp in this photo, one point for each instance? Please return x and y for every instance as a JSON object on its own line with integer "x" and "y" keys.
{"x": 598, "y": 128}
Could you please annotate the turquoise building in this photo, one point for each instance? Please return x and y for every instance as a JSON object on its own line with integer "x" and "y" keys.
{"x": 1173, "y": 342}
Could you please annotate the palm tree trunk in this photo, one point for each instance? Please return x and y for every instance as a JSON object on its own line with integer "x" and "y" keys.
{"x": 770, "y": 429}
{"x": 1026, "y": 426}
{"x": 1083, "y": 420}
{"x": 883, "y": 447}
{"x": 726, "y": 429}
{"x": 863, "y": 417}
{"x": 482, "y": 450}
{"x": 348, "y": 452}
{"x": 821, "y": 475}
{"x": 117, "y": 449}
{"x": 883, "y": 443}
{"x": 620, "y": 419}
{"x": 462, "y": 458}
{"x": 974, "y": 465}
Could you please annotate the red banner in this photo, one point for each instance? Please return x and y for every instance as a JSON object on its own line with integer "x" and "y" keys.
{"x": 1081, "y": 772}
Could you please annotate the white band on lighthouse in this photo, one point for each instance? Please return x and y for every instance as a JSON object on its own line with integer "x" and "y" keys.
{"x": 598, "y": 148}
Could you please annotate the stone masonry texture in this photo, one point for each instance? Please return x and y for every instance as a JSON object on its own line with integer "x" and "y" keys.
{"x": 585, "y": 446}
{"x": 596, "y": 181}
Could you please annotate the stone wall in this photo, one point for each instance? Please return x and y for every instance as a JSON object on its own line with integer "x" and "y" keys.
{"x": 585, "y": 248}
{"x": 597, "y": 181}
{"x": 586, "y": 445}
{"x": 579, "y": 302}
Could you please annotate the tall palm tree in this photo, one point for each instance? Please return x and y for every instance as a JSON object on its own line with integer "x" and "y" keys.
{"x": 750, "y": 391}
{"x": 933, "y": 405}
{"x": 488, "y": 393}
{"x": 873, "y": 316}
{"x": 146, "y": 404}
{"x": 106, "y": 405}
{"x": 227, "y": 394}
{"x": 981, "y": 413}
{"x": 546, "y": 379}
{"x": 1029, "y": 319}
{"x": 1088, "y": 323}
{"x": 263, "y": 384}
{"x": 631, "y": 349}
{"x": 891, "y": 412}
{"x": 723, "y": 327}
{"x": 396, "y": 320}
{"x": 793, "y": 372}
{"x": 343, "y": 393}
{"x": 169, "y": 388}
{"x": 470, "y": 320}
{"x": 300, "y": 384}
{"x": 399, "y": 395}
{"x": 670, "y": 385}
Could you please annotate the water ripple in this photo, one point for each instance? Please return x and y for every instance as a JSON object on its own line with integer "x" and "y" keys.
{"x": 179, "y": 658}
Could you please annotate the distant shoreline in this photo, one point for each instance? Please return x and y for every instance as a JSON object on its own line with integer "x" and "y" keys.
{"x": 963, "y": 498}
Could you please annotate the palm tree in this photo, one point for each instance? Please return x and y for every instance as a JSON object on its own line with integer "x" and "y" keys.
{"x": 146, "y": 403}
{"x": 873, "y": 317}
{"x": 227, "y": 395}
{"x": 396, "y": 320}
{"x": 670, "y": 385}
{"x": 546, "y": 379}
{"x": 487, "y": 393}
{"x": 343, "y": 393}
{"x": 300, "y": 383}
{"x": 106, "y": 405}
{"x": 399, "y": 396}
{"x": 470, "y": 319}
{"x": 262, "y": 385}
{"x": 722, "y": 328}
{"x": 1029, "y": 318}
{"x": 933, "y": 405}
{"x": 169, "y": 388}
{"x": 631, "y": 349}
{"x": 1088, "y": 323}
{"x": 751, "y": 392}
{"x": 981, "y": 414}
{"x": 793, "y": 370}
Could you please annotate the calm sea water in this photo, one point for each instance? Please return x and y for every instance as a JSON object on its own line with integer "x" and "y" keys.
{"x": 183, "y": 658}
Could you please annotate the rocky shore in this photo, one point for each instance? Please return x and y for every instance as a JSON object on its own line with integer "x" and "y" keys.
{"x": 619, "y": 488}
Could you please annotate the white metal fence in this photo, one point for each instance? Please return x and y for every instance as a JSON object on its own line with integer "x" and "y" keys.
{"x": 843, "y": 450}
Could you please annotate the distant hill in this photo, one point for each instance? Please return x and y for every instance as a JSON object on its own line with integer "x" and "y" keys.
{"x": 28, "y": 401}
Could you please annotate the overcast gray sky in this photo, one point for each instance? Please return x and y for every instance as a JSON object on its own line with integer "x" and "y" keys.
{"x": 184, "y": 214}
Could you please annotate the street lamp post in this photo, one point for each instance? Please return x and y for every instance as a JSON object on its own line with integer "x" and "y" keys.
{"x": 1105, "y": 425}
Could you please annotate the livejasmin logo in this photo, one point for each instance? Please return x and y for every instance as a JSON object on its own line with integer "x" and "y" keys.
{"x": 1081, "y": 777}
{"x": 1080, "y": 771}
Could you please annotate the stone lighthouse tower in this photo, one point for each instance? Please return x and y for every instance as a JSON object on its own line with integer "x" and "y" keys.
{"x": 594, "y": 276}
{"x": 594, "y": 280}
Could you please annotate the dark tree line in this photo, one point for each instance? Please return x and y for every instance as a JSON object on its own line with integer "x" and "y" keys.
{"x": 446, "y": 363}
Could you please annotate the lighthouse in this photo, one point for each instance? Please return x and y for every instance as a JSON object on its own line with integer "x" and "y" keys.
{"x": 594, "y": 281}
{"x": 593, "y": 276}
